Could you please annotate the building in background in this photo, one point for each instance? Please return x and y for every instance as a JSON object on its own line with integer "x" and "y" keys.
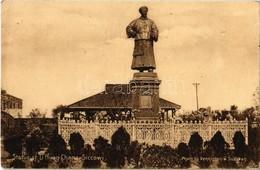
{"x": 11, "y": 104}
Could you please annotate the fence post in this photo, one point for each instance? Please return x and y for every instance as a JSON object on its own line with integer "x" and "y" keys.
{"x": 171, "y": 133}
{"x": 133, "y": 134}
{"x": 246, "y": 123}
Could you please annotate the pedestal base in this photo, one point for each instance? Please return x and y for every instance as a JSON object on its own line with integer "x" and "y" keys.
{"x": 145, "y": 95}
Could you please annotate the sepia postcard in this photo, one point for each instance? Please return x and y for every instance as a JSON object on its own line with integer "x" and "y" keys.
{"x": 130, "y": 85}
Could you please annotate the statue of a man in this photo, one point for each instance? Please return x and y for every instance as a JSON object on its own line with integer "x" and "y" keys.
{"x": 144, "y": 31}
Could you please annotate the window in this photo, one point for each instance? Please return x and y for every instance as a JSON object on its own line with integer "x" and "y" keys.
{"x": 145, "y": 101}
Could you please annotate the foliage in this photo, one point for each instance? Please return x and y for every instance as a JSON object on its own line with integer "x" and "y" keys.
{"x": 33, "y": 141}
{"x": 57, "y": 145}
{"x": 233, "y": 110}
{"x": 90, "y": 158}
{"x": 227, "y": 163}
{"x": 159, "y": 157}
{"x": 59, "y": 109}
{"x": 254, "y": 144}
{"x": 221, "y": 115}
{"x": 116, "y": 158}
{"x": 101, "y": 147}
{"x": 40, "y": 161}
{"x": 13, "y": 144}
{"x": 183, "y": 152}
{"x": 249, "y": 113}
{"x": 195, "y": 144}
{"x": 36, "y": 113}
{"x": 121, "y": 139}
{"x": 217, "y": 144}
{"x": 63, "y": 163}
{"x": 227, "y": 160}
{"x": 17, "y": 163}
{"x": 239, "y": 144}
{"x": 7, "y": 124}
{"x": 134, "y": 153}
{"x": 193, "y": 116}
{"x": 119, "y": 150}
{"x": 205, "y": 159}
{"x": 256, "y": 98}
{"x": 76, "y": 143}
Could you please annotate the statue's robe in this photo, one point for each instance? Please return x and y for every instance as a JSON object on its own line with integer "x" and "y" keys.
{"x": 145, "y": 32}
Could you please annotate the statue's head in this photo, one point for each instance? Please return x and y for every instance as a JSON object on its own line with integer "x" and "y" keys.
{"x": 143, "y": 11}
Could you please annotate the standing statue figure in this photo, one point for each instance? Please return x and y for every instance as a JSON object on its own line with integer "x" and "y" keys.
{"x": 144, "y": 31}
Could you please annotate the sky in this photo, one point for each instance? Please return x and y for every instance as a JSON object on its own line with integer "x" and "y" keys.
{"x": 59, "y": 52}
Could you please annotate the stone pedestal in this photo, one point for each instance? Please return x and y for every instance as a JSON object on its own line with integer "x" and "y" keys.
{"x": 145, "y": 95}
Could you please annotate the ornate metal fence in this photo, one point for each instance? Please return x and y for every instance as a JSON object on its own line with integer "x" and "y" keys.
{"x": 153, "y": 132}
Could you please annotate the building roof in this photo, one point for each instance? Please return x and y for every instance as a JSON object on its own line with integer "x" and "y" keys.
{"x": 6, "y": 95}
{"x": 115, "y": 96}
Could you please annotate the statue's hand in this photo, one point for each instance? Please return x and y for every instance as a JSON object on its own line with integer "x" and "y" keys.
{"x": 153, "y": 38}
{"x": 133, "y": 34}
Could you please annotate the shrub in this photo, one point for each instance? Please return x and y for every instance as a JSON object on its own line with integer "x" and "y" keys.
{"x": 76, "y": 143}
{"x": 116, "y": 158}
{"x": 218, "y": 144}
{"x": 119, "y": 149}
{"x": 134, "y": 153}
{"x": 17, "y": 163}
{"x": 159, "y": 157}
{"x": 57, "y": 145}
{"x": 195, "y": 144}
{"x": 183, "y": 152}
{"x": 40, "y": 161}
{"x": 33, "y": 141}
{"x": 90, "y": 158}
{"x": 101, "y": 146}
{"x": 121, "y": 139}
{"x": 13, "y": 144}
{"x": 239, "y": 144}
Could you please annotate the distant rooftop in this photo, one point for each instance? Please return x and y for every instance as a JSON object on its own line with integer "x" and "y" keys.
{"x": 116, "y": 96}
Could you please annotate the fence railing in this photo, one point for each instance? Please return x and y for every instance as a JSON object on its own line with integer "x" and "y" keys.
{"x": 153, "y": 132}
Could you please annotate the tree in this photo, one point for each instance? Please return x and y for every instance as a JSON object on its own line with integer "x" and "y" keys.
{"x": 218, "y": 144}
{"x": 250, "y": 114}
{"x": 101, "y": 147}
{"x": 17, "y": 163}
{"x": 195, "y": 144}
{"x": 8, "y": 124}
{"x": 134, "y": 152}
{"x": 254, "y": 144}
{"x": 234, "y": 111}
{"x": 57, "y": 145}
{"x": 256, "y": 98}
{"x": 59, "y": 109}
{"x": 34, "y": 141}
{"x": 120, "y": 147}
{"x": 239, "y": 144}
{"x": 13, "y": 144}
{"x": 205, "y": 159}
{"x": 76, "y": 143}
{"x": 183, "y": 152}
{"x": 227, "y": 160}
{"x": 116, "y": 158}
{"x": 90, "y": 158}
{"x": 121, "y": 139}
{"x": 36, "y": 113}
{"x": 40, "y": 161}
